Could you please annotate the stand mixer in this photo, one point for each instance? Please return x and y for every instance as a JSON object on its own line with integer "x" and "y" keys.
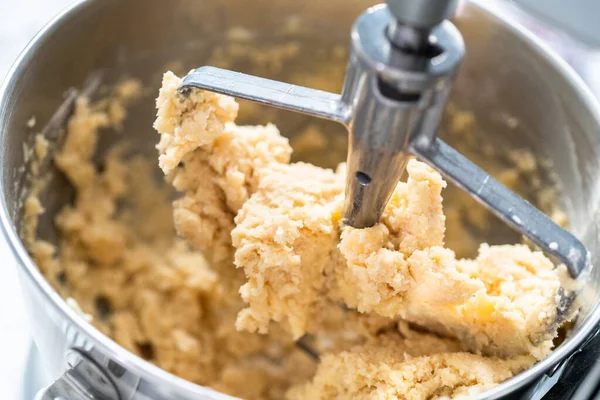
{"x": 542, "y": 93}
{"x": 404, "y": 56}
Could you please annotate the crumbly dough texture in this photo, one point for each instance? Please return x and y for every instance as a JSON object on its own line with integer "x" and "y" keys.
{"x": 297, "y": 256}
{"x": 119, "y": 260}
{"x": 406, "y": 365}
{"x": 261, "y": 259}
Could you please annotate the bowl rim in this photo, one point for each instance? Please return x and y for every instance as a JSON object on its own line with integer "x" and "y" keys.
{"x": 500, "y": 12}
{"x": 160, "y": 377}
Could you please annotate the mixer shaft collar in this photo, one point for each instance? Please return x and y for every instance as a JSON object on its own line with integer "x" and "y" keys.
{"x": 392, "y": 105}
{"x": 393, "y": 96}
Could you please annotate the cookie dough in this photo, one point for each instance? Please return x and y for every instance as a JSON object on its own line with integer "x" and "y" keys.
{"x": 118, "y": 258}
{"x": 406, "y": 365}
{"x": 297, "y": 256}
{"x": 217, "y": 285}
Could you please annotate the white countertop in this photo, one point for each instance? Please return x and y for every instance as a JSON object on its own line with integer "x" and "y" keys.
{"x": 19, "y": 22}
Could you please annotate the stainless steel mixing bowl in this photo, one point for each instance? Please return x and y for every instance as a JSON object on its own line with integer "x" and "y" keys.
{"x": 507, "y": 73}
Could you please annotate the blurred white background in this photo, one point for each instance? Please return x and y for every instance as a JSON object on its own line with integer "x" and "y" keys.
{"x": 19, "y": 22}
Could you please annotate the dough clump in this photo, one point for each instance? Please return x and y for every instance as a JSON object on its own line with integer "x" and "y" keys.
{"x": 217, "y": 285}
{"x": 118, "y": 259}
{"x": 281, "y": 224}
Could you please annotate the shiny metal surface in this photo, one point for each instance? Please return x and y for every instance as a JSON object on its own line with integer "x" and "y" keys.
{"x": 409, "y": 38}
{"x": 506, "y": 205}
{"x": 266, "y": 91}
{"x": 415, "y": 20}
{"x": 422, "y": 14}
{"x": 557, "y": 117}
{"x": 394, "y": 96}
{"x": 83, "y": 380}
{"x": 384, "y": 131}
{"x": 380, "y": 126}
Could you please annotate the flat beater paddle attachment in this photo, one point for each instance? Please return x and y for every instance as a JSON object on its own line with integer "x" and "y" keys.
{"x": 404, "y": 56}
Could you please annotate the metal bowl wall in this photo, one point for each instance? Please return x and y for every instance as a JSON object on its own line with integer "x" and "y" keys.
{"x": 506, "y": 73}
